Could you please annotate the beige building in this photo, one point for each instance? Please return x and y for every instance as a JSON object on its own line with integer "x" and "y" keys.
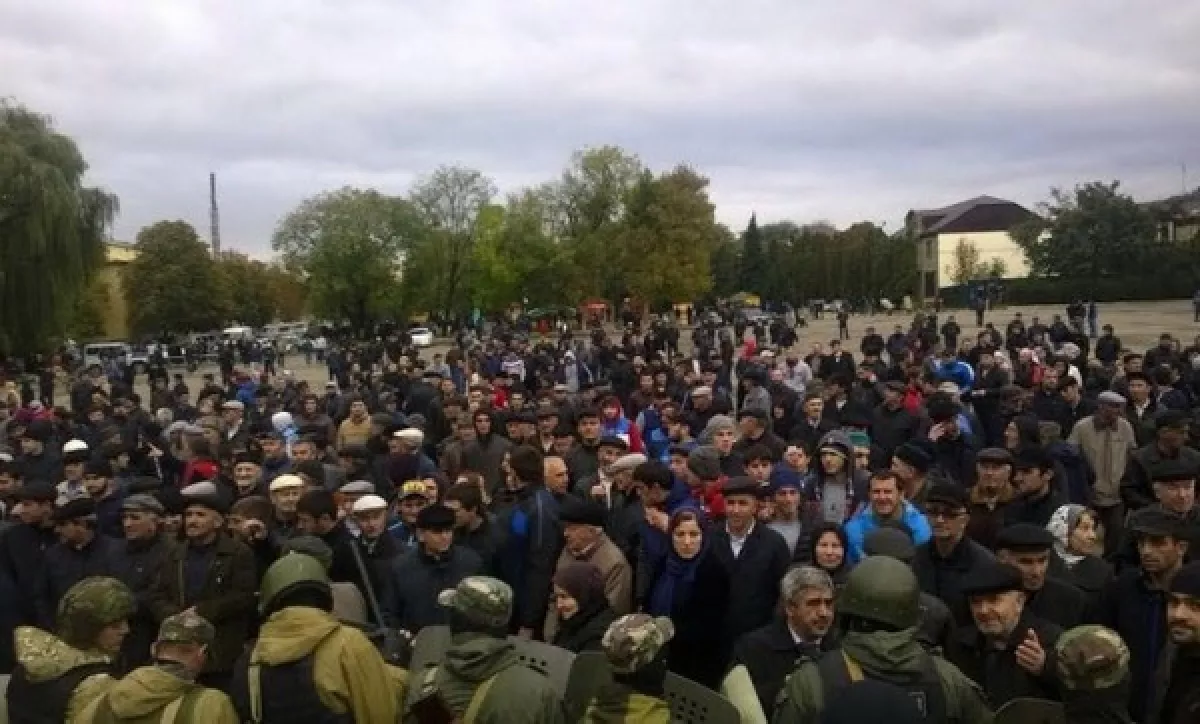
{"x": 983, "y": 223}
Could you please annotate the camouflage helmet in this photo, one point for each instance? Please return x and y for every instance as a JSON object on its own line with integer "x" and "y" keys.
{"x": 187, "y": 627}
{"x": 480, "y": 599}
{"x": 633, "y": 641}
{"x": 883, "y": 590}
{"x": 1091, "y": 658}
{"x": 89, "y": 606}
{"x": 291, "y": 572}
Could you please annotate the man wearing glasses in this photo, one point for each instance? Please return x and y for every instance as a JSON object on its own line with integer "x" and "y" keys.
{"x": 950, "y": 557}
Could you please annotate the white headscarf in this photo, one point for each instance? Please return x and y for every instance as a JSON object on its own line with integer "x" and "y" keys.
{"x": 1061, "y": 525}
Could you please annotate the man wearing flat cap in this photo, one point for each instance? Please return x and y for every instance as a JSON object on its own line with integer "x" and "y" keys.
{"x": 166, "y": 691}
{"x": 213, "y": 575}
{"x": 950, "y": 556}
{"x": 1137, "y": 596}
{"x": 1027, "y": 548}
{"x": 1107, "y": 441}
{"x": 1170, "y": 443}
{"x": 82, "y": 551}
{"x": 1177, "y": 685}
{"x": 146, "y": 548}
{"x": 1006, "y": 650}
{"x": 419, "y": 575}
{"x": 583, "y": 524}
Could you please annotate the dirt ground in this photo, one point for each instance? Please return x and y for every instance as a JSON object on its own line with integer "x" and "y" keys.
{"x": 1138, "y": 324}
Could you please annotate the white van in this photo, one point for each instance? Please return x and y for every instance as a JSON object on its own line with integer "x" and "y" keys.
{"x": 237, "y": 333}
{"x": 98, "y": 353}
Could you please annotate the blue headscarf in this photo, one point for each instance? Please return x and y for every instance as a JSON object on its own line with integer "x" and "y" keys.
{"x": 678, "y": 574}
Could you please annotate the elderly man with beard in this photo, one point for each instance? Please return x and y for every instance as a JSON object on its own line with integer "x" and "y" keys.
{"x": 800, "y": 633}
{"x": 1007, "y": 650}
{"x": 213, "y": 575}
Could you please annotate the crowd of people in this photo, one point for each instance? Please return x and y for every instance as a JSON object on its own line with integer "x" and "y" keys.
{"x": 926, "y": 527}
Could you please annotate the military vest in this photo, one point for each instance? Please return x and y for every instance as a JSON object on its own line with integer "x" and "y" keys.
{"x": 45, "y": 702}
{"x": 925, "y": 688}
{"x": 284, "y": 694}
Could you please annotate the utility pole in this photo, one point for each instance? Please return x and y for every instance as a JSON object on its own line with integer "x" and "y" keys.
{"x": 214, "y": 215}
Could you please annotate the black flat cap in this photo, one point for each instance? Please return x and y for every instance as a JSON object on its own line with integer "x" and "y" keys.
{"x": 755, "y": 412}
{"x": 74, "y": 509}
{"x": 1174, "y": 419}
{"x": 1033, "y": 457}
{"x": 994, "y": 456}
{"x": 991, "y": 577}
{"x": 1024, "y": 537}
{"x": 435, "y": 517}
{"x": 613, "y": 441}
{"x": 948, "y": 494}
{"x": 582, "y": 512}
{"x": 740, "y": 485}
{"x": 1154, "y": 522}
{"x": 912, "y": 454}
{"x": 36, "y": 492}
{"x": 1172, "y": 471}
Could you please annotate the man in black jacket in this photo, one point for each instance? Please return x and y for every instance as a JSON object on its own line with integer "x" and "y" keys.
{"x": 1026, "y": 547}
{"x": 944, "y": 562}
{"x": 772, "y": 652}
{"x": 81, "y": 552}
{"x": 1177, "y": 689}
{"x": 146, "y": 548}
{"x": 1007, "y": 650}
{"x": 475, "y": 527}
{"x": 891, "y": 424}
{"x": 418, "y": 576}
{"x": 1170, "y": 444}
{"x": 1038, "y": 494}
{"x": 755, "y": 556}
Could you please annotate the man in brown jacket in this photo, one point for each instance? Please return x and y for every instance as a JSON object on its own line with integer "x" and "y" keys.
{"x": 583, "y": 531}
{"x": 214, "y": 576}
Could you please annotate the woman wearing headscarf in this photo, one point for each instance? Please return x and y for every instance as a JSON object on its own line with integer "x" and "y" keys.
{"x": 830, "y": 552}
{"x": 583, "y": 611}
{"x": 691, "y": 587}
{"x": 1078, "y": 540}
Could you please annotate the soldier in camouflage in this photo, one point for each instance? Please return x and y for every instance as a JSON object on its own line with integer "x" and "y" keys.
{"x": 635, "y": 646}
{"x": 57, "y": 676}
{"x": 480, "y": 678}
{"x": 166, "y": 691}
{"x": 1092, "y": 664}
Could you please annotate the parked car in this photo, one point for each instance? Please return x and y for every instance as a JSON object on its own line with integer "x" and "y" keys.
{"x": 421, "y": 336}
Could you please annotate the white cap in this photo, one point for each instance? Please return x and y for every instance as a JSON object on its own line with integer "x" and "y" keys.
{"x": 204, "y": 487}
{"x": 75, "y": 445}
{"x": 286, "y": 481}
{"x": 702, "y": 391}
{"x": 369, "y": 503}
{"x": 233, "y": 405}
{"x": 410, "y": 435}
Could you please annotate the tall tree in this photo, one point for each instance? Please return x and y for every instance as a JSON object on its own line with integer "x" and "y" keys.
{"x": 1093, "y": 232}
{"x": 349, "y": 245}
{"x": 449, "y": 202}
{"x": 52, "y": 226}
{"x": 174, "y": 284}
{"x": 754, "y": 258}
{"x": 250, "y": 300}
{"x": 726, "y": 262}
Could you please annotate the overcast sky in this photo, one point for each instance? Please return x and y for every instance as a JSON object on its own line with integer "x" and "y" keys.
{"x": 796, "y": 109}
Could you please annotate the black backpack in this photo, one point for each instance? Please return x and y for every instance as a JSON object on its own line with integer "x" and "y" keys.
{"x": 925, "y": 688}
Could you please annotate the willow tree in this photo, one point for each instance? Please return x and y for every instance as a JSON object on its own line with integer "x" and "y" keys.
{"x": 52, "y": 229}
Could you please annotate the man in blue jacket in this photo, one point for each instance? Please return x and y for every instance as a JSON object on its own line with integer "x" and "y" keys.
{"x": 887, "y": 507}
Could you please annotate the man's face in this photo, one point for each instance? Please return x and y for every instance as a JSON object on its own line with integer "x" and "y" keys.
{"x": 310, "y": 406}
{"x": 996, "y": 614}
{"x": 409, "y": 507}
{"x": 303, "y": 451}
{"x": 814, "y": 407}
{"x": 358, "y": 410}
{"x": 73, "y": 532}
{"x": 589, "y": 429}
{"x": 246, "y": 476}
{"x": 1177, "y": 496}
{"x": 1070, "y": 393}
{"x": 832, "y": 462}
{"x": 474, "y": 399}
{"x": 1139, "y": 390}
{"x": 1108, "y": 413}
{"x": 563, "y": 445}
{"x": 436, "y": 540}
{"x": 810, "y": 612}
{"x": 1174, "y": 437}
{"x": 678, "y": 466}
{"x": 557, "y": 477}
{"x": 606, "y": 455}
{"x": 139, "y": 525}
{"x": 462, "y": 517}
{"x": 95, "y": 485}
{"x": 73, "y": 471}
{"x": 948, "y": 522}
{"x": 701, "y": 402}
{"x": 796, "y": 458}
{"x": 111, "y": 637}
{"x": 579, "y": 537}
{"x": 885, "y": 496}
{"x": 740, "y": 510}
{"x": 272, "y": 448}
{"x": 748, "y": 427}
{"x": 372, "y": 523}
{"x": 787, "y": 503}
{"x": 993, "y": 475}
{"x": 231, "y": 415}
{"x": 1183, "y": 618}
{"x": 1159, "y": 554}
{"x": 759, "y": 470}
{"x": 1032, "y": 565}
{"x": 30, "y": 446}
{"x": 723, "y": 440}
{"x": 285, "y": 500}
{"x": 547, "y": 423}
{"x": 1032, "y": 481}
{"x": 199, "y": 522}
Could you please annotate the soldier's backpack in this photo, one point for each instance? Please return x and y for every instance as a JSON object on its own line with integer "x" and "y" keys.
{"x": 431, "y": 708}
{"x": 926, "y": 689}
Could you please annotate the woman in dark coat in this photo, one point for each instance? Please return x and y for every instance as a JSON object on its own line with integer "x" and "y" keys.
{"x": 829, "y": 547}
{"x": 583, "y": 611}
{"x": 1077, "y": 542}
{"x": 692, "y": 588}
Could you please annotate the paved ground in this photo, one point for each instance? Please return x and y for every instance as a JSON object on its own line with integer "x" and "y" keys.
{"x": 1138, "y": 324}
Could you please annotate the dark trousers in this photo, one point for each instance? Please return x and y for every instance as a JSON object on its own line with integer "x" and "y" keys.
{"x": 1113, "y": 520}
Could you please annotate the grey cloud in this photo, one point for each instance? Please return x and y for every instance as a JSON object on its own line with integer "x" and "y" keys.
{"x": 801, "y": 110}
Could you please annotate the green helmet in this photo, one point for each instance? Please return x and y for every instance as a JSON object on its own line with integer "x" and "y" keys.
{"x": 292, "y": 571}
{"x": 883, "y": 590}
{"x": 89, "y": 606}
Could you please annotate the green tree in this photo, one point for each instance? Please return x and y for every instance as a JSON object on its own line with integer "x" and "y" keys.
{"x": 52, "y": 229}
{"x": 1096, "y": 231}
{"x": 450, "y": 203}
{"x": 174, "y": 285}
{"x": 725, "y": 263}
{"x": 754, "y": 258}
{"x": 250, "y": 300}
{"x": 349, "y": 246}
{"x": 665, "y": 242}
{"x": 86, "y": 320}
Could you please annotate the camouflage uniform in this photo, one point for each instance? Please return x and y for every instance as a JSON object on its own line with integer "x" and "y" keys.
{"x": 57, "y": 676}
{"x": 166, "y": 691}
{"x": 631, "y": 644}
{"x": 478, "y": 661}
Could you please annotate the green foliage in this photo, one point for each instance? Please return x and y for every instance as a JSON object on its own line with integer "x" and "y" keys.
{"x": 86, "y": 319}
{"x": 349, "y": 246}
{"x": 52, "y": 226}
{"x": 260, "y": 293}
{"x": 174, "y": 285}
{"x": 1096, "y": 231}
{"x": 725, "y": 263}
{"x": 968, "y": 266}
{"x": 753, "y": 271}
